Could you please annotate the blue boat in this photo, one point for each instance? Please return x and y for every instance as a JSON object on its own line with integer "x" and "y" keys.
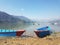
{"x": 4, "y": 32}
{"x": 43, "y": 32}
{"x": 44, "y": 28}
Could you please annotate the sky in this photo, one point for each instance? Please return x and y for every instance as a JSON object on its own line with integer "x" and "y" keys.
{"x": 33, "y": 9}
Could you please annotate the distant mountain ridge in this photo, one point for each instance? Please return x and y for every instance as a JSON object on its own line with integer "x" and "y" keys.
{"x": 55, "y": 22}
{"x": 8, "y": 21}
{"x": 5, "y": 17}
{"x": 25, "y": 19}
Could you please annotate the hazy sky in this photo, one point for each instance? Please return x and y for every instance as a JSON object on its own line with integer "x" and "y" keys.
{"x": 34, "y": 9}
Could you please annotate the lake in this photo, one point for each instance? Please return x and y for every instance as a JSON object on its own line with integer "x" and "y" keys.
{"x": 30, "y": 29}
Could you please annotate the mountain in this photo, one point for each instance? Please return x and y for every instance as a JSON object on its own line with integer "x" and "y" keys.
{"x": 4, "y": 17}
{"x": 55, "y": 22}
{"x": 8, "y": 21}
{"x": 25, "y": 19}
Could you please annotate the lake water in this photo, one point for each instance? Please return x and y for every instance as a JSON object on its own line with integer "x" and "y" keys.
{"x": 30, "y": 29}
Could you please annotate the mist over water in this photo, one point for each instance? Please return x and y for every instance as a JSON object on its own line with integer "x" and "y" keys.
{"x": 32, "y": 27}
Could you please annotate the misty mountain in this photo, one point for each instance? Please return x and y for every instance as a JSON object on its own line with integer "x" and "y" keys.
{"x": 55, "y": 22}
{"x": 25, "y": 19}
{"x": 5, "y": 17}
{"x": 8, "y": 21}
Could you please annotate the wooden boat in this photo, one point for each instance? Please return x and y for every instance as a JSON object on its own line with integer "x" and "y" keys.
{"x": 43, "y": 32}
{"x": 11, "y": 32}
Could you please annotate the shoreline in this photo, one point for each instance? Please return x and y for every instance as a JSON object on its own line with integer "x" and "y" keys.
{"x": 49, "y": 40}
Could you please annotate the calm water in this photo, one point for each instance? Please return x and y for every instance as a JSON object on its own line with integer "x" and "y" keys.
{"x": 31, "y": 28}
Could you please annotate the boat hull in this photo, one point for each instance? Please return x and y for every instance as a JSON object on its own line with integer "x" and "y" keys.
{"x": 17, "y": 33}
{"x": 42, "y": 34}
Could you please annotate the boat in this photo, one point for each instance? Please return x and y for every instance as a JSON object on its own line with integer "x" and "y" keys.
{"x": 4, "y": 32}
{"x": 43, "y": 32}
